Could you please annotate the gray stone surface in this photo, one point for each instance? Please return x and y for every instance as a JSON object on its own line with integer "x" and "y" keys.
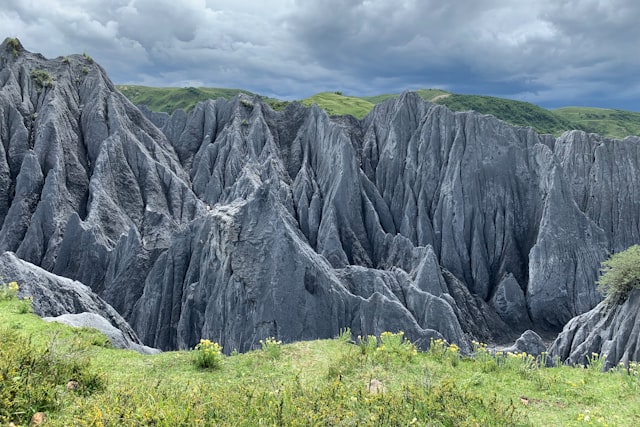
{"x": 92, "y": 320}
{"x": 234, "y": 222}
{"x": 67, "y": 300}
{"x": 529, "y": 343}
{"x": 613, "y": 331}
{"x": 510, "y": 303}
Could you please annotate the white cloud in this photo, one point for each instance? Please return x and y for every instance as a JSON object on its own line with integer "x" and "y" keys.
{"x": 537, "y": 49}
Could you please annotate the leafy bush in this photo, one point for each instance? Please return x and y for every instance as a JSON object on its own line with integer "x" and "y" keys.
{"x": 271, "y": 347}
{"x": 25, "y": 305}
{"x": 42, "y": 78}
{"x": 8, "y": 291}
{"x": 208, "y": 355}
{"x": 14, "y": 45}
{"x": 620, "y": 275}
{"x": 87, "y": 58}
{"x": 442, "y": 351}
{"x": 33, "y": 379}
{"x": 395, "y": 345}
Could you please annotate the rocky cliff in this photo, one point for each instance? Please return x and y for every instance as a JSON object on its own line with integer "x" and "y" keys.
{"x": 234, "y": 222}
{"x": 610, "y": 331}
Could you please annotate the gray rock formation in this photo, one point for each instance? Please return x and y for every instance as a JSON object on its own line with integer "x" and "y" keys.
{"x": 510, "y": 303}
{"x": 91, "y": 320}
{"x": 234, "y": 222}
{"x": 613, "y": 331}
{"x": 61, "y": 298}
{"x": 529, "y": 343}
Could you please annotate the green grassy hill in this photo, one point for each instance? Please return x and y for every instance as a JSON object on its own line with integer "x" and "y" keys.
{"x": 75, "y": 378}
{"x": 613, "y": 123}
{"x": 334, "y": 103}
{"x": 610, "y": 123}
{"x": 168, "y": 99}
{"x": 515, "y": 112}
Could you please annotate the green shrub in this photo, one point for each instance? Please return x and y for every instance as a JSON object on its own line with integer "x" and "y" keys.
{"x": 42, "y": 78}
{"x": 620, "y": 275}
{"x": 8, "y": 291}
{"x": 271, "y": 347}
{"x": 396, "y": 346}
{"x": 442, "y": 351}
{"x": 367, "y": 344}
{"x": 14, "y": 45}
{"x": 25, "y": 305}
{"x": 208, "y": 355}
{"x": 33, "y": 379}
{"x": 87, "y": 58}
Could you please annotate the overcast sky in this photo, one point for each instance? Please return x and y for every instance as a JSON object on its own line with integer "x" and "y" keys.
{"x": 550, "y": 52}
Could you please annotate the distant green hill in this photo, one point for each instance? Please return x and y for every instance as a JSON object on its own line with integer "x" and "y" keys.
{"x": 334, "y": 103}
{"x": 171, "y": 98}
{"x": 613, "y": 123}
{"x": 168, "y": 99}
{"x": 515, "y": 112}
{"x": 610, "y": 123}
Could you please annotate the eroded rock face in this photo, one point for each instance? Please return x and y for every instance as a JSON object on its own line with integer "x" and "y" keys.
{"x": 92, "y": 320}
{"x": 56, "y": 297}
{"x": 234, "y": 222}
{"x": 613, "y": 331}
{"x": 529, "y": 343}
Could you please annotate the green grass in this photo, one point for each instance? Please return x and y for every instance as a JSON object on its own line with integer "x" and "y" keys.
{"x": 168, "y": 99}
{"x": 426, "y": 94}
{"x": 336, "y": 104}
{"x": 515, "y": 112}
{"x": 611, "y": 123}
{"x": 324, "y": 382}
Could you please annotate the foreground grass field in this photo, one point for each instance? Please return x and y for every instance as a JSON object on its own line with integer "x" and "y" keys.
{"x": 326, "y": 382}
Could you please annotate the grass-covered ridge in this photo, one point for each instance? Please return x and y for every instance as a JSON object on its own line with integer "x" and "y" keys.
{"x": 168, "y": 99}
{"x": 375, "y": 381}
{"x": 609, "y": 123}
{"x": 612, "y": 123}
{"x": 334, "y": 103}
{"x": 515, "y": 112}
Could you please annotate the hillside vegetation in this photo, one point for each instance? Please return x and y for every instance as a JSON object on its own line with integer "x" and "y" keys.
{"x": 515, "y": 112}
{"x": 168, "y": 99}
{"x": 80, "y": 380}
{"x": 609, "y": 123}
{"x": 613, "y": 123}
{"x": 336, "y": 104}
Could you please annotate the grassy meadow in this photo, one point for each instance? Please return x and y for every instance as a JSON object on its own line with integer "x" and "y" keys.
{"x": 71, "y": 376}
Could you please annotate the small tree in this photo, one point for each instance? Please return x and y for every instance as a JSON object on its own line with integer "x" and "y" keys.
{"x": 620, "y": 275}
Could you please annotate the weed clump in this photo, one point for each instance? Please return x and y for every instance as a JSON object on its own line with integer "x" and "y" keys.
{"x": 42, "y": 78}
{"x": 208, "y": 355}
{"x": 8, "y": 291}
{"x": 271, "y": 347}
{"x": 620, "y": 275}
{"x": 34, "y": 379}
{"x": 14, "y": 45}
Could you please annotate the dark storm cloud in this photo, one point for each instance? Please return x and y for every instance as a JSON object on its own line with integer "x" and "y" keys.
{"x": 551, "y": 52}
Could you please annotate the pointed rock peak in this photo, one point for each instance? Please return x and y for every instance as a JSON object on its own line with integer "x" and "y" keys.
{"x": 12, "y": 44}
{"x": 11, "y": 48}
{"x": 410, "y": 96}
